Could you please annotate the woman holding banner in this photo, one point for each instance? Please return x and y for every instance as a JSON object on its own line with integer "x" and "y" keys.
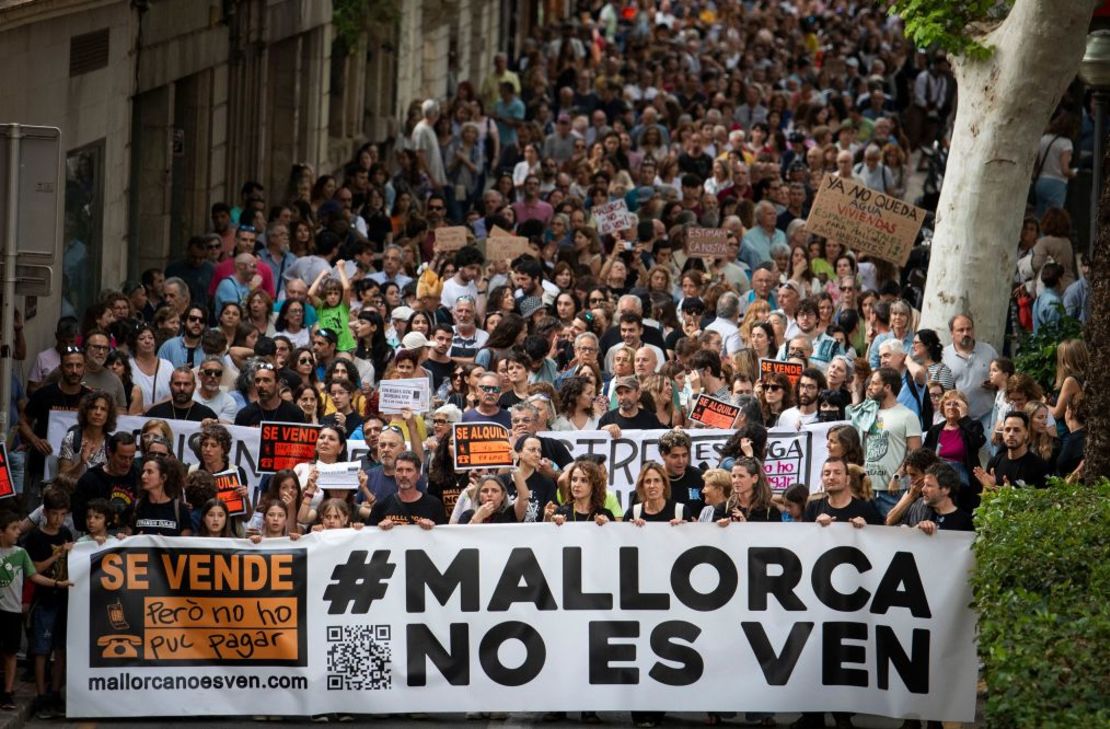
{"x": 653, "y": 498}
{"x": 582, "y": 491}
{"x": 538, "y": 489}
{"x": 160, "y": 509}
{"x": 83, "y": 446}
{"x": 751, "y": 496}
{"x": 213, "y": 448}
{"x": 331, "y": 447}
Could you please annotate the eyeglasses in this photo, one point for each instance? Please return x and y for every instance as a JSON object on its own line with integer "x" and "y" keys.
{"x": 214, "y": 245}
{"x": 432, "y": 208}
{"x": 71, "y": 349}
{"x": 491, "y": 389}
{"x": 97, "y": 347}
{"x": 211, "y": 373}
{"x": 847, "y": 288}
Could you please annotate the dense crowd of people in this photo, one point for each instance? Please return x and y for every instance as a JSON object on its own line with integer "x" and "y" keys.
{"x": 296, "y": 304}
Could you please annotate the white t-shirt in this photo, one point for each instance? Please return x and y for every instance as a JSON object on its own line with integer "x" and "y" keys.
{"x": 793, "y": 419}
{"x": 424, "y": 140}
{"x": 156, "y": 387}
{"x": 452, "y": 290}
{"x": 1051, "y": 167}
{"x": 885, "y": 444}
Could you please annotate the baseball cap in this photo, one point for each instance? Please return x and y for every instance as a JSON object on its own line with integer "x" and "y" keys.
{"x": 414, "y": 340}
{"x": 628, "y": 381}
{"x": 402, "y": 312}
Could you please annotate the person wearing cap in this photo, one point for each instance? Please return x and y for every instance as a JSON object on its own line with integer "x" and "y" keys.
{"x": 398, "y": 325}
{"x": 629, "y": 415}
{"x": 529, "y": 307}
{"x": 196, "y": 269}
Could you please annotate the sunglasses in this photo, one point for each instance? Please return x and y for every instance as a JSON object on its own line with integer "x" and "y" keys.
{"x": 71, "y": 349}
{"x": 214, "y": 246}
{"x": 491, "y": 389}
{"x": 266, "y": 366}
{"x": 439, "y": 421}
{"x": 305, "y": 360}
{"x": 772, "y": 388}
{"x": 847, "y": 288}
{"x": 211, "y": 373}
{"x": 195, "y": 319}
{"x": 435, "y": 208}
{"x": 394, "y": 428}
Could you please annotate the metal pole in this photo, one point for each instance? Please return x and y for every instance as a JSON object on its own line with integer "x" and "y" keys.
{"x": 7, "y": 311}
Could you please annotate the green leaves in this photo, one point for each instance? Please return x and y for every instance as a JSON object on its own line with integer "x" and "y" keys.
{"x": 1040, "y": 585}
{"x": 1037, "y": 352}
{"x": 944, "y": 23}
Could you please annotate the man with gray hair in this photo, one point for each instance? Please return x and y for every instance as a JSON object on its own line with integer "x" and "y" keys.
{"x": 585, "y": 352}
{"x": 872, "y": 172}
{"x": 728, "y": 314}
{"x": 492, "y": 201}
{"x": 914, "y": 395}
{"x": 276, "y": 255}
{"x": 391, "y": 268}
{"x": 426, "y": 144}
{"x": 176, "y": 294}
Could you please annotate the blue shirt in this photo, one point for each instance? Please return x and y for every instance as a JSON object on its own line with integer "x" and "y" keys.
{"x": 1047, "y": 309}
{"x": 502, "y": 417}
{"x": 514, "y": 109}
{"x": 230, "y": 290}
{"x": 1077, "y": 300}
{"x": 756, "y": 245}
{"x": 175, "y": 351}
{"x": 873, "y": 353}
{"x": 906, "y": 394}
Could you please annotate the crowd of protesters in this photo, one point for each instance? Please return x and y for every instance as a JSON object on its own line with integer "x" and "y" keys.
{"x": 297, "y": 303}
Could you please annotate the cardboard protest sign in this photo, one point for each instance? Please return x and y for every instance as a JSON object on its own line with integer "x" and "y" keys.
{"x": 498, "y": 232}
{"x": 412, "y": 394}
{"x": 866, "y": 220}
{"x": 450, "y": 239}
{"x": 714, "y": 413}
{"x": 7, "y": 486}
{"x": 612, "y": 217}
{"x": 284, "y": 445}
{"x": 707, "y": 242}
{"x": 481, "y": 445}
{"x": 227, "y": 491}
{"x": 508, "y": 246}
{"x": 793, "y": 370}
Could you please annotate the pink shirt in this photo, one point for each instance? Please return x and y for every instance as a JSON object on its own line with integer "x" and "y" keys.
{"x": 538, "y": 210}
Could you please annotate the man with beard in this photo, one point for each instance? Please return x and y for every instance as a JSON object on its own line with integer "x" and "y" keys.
{"x": 185, "y": 349}
{"x": 467, "y": 338}
{"x": 628, "y": 415}
{"x": 34, "y": 416}
{"x": 809, "y": 384}
{"x": 468, "y": 269}
{"x": 1017, "y": 465}
{"x": 888, "y": 430}
{"x": 382, "y": 479}
{"x": 270, "y": 407}
{"x": 97, "y": 376}
{"x": 116, "y": 481}
{"x": 211, "y": 372}
{"x": 970, "y": 364}
{"x": 245, "y": 239}
{"x": 409, "y": 504}
{"x": 276, "y": 255}
{"x": 181, "y": 405}
{"x": 939, "y": 488}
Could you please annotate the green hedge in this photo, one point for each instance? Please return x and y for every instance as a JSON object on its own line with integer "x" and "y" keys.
{"x": 1042, "y": 589}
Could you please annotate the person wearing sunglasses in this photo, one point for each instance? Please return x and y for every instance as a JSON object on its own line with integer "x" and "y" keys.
{"x": 775, "y": 395}
{"x": 210, "y": 374}
{"x": 185, "y": 348}
{"x": 487, "y": 409}
{"x": 270, "y": 406}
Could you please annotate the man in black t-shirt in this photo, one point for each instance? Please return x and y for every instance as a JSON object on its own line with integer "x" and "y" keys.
{"x": 408, "y": 505}
{"x": 686, "y": 481}
{"x": 34, "y": 416}
{"x": 438, "y": 362}
{"x": 840, "y": 505}
{"x": 940, "y": 486}
{"x": 629, "y": 414}
{"x": 116, "y": 481}
{"x": 1017, "y": 466}
{"x": 270, "y": 407}
{"x": 181, "y": 406}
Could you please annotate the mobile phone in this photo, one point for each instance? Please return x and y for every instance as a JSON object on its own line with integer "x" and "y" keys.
{"x": 628, "y": 245}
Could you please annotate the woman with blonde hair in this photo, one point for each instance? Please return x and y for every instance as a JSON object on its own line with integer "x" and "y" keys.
{"x": 957, "y": 440}
{"x": 757, "y": 311}
{"x": 659, "y": 281}
{"x": 662, "y": 394}
{"x": 1072, "y": 360}
{"x": 715, "y": 491}
{"x": 653, "y": 498}
{"x": 1042, "y": 436}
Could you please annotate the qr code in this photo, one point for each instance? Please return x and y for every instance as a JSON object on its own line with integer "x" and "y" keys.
{"x": 359, "y": 658}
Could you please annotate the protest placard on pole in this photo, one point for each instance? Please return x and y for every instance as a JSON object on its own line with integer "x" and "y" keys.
{"x": 481, "y": 445}
{"x": 793, "y": 370}
{"x": 707, "y": 242}
{"x": 450, "y": 238}
{"x": 413, "y": 394}
{"x": 714, "y": 413}
{"x": 7, "y": 486}
{"x": 284, "y": 445}
{"x": 612, "y": 217}
{"x": 867, "y": 220}
{"x": 227, "y": 491}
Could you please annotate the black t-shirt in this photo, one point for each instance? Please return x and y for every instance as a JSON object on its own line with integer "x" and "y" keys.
{"x": 1029, "y": 470}
{"x": 253, "y": 414}
{"x": 42, "y": 402}
{"x": 687, "y": 490}
{"x": 543, "y": 491}
{"x": 668, "y": 512}
{"x": 612, "y": 337}
{"x": 568, "y": 511}
{"x": 168, "y": 519}
{"x": 194, "y": 412}
{"x": 440, "y": 371}
{"x": 449, "y": 490}
{"x": 957, "y": 521}
{"x": 508, "y": 399}
{"x": 856, "y": 507}
{"x": 770, "y": 514}
{"x": 505, "y": 516}
{"x": 400, "y": 512}
{"x": 643, "y": 420}
{"x": 42, "y": 546}
{"x": 120, "y": 492}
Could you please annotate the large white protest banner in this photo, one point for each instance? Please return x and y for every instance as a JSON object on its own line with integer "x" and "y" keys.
{"x": 792, "y": 456}
{"x": 752, "y": 617}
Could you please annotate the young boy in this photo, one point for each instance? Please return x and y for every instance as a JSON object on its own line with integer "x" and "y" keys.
{"x": 98, "y": 514}
{"x": 15, "y": 564}
{"x": 48, "y": 545}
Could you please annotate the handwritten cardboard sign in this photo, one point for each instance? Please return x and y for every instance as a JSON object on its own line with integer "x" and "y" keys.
{"x": 508, "y": 246}
{"x": 227, "y": 491}
{"x": 412, "y": 394}
{"x": 707, "y": 242}
{"x": 612, "y": 217}
{"x": 450, "y": 239}
{"x": 284, "y": 445}
{"x": 481, "y": 445}
{"x": 793, "y": 370}
{"x": 714, "y": 413}
{"x": 866, "y": 220}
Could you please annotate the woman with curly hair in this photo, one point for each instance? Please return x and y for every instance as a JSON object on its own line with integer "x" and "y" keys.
{"x": 259, "y": 310}
{"x": 161, "y": 510}
{"x": 578, "y": 405}
{"x": 583, "y": 494}
{"x": 775, "y": 395}
{"x": 83, "y": 446}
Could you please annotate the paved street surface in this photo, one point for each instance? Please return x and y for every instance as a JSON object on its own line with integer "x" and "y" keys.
{"x": 449, "y": 720}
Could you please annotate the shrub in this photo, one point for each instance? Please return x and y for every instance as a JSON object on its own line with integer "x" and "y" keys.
{"x": 1042, "y": 589}
{"x": 1036, "y": 355}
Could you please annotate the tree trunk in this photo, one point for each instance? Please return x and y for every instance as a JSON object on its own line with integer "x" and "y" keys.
{"x": 1096, "y": 454}
{"x": 1005, "y": 103}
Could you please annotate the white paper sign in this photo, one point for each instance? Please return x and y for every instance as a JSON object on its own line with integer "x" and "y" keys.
{"x": 343, "y": 475}
{"x": 396, "y": 395}
{"x": 612, "y": 217}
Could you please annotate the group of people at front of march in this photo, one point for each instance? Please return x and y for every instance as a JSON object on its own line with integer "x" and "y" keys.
{"x": 294, "y": 306}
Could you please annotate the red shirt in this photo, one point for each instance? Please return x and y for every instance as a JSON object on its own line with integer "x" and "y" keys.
{"x": 226, "y": 268}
